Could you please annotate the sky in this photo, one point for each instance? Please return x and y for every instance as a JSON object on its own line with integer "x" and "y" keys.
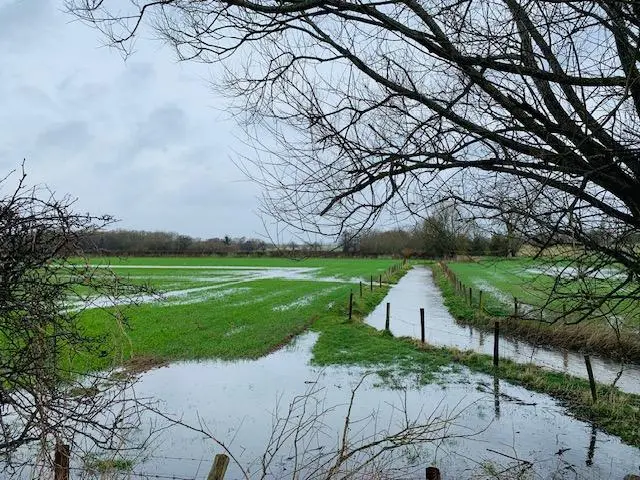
{"x": 145, "y": 140}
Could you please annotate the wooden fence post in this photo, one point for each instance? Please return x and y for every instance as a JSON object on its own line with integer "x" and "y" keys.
{"x": 480, "y": 300}
{"x": 387, "y": 319}
{"x": 371, "y": 285}
{"x": 515, "y": 307}
{"x": 380, "y": 280}
{"x": 422, "y": 325}
{"x": 592, "y": 381}
{"x": 350, "y": 304}
{"x": 219, "y": 467}
{"x": 470, "y": 296}
{"x": 433, "y": 473}
{"x": 360, "y": 289}
{"x": 61, "y": 462}
{"x": 496, "y": 340}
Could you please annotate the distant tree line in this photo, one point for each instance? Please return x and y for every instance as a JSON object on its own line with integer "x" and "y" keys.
{"x": 430, "y": 239}
{"x": 442, "y": 235}
{"x": 138, "y": 242}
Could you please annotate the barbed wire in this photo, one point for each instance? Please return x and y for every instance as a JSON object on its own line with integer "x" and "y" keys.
{"x": 125, "y": 474}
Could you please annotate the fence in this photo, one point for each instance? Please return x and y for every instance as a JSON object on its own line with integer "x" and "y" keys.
{"x": 62, "y": 468}
{"x": 520, "y": 309}
{"x": 518, "y": 312}
{"x": 386, "y": 276}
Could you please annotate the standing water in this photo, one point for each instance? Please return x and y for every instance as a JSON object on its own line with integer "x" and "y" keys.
{"x": 487, "y": 425}
{"x": 417, "y": 290}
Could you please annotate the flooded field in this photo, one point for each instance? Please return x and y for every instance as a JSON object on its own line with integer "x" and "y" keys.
{"x": 417, "y": 289}
{"x": 488, "y": 424}
{"x": 203, "y": 308}
{"x": 280, "y": 416}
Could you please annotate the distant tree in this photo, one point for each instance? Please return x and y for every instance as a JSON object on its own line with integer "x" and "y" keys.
{"x": 499, "y": 245}
{"x": 479, "y": 245}
{"x": 389, "y": 242}
{"x": 183, "y": 242}
{"x": 444, "y": 233}
{"x": 349, "y": 241}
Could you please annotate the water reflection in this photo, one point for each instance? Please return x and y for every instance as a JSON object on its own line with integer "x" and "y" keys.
{"x": 236, "y": 401}
{"x": 592, "y": 446}
{"x": 496, "y": 396}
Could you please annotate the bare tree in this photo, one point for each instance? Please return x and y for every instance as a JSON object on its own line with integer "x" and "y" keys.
{"x": 366, "y": 447}
{"x": 44, "y": 398}
{"x": 304, "y": 442}
{"x": 391, "y": 106}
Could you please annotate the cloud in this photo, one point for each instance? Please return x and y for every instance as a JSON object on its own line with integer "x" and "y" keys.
{"x": 70, "y": 135}
{"x": 143, "y": 140}
{"x": 163, "y": 126}
{"x": 18, "y": 19}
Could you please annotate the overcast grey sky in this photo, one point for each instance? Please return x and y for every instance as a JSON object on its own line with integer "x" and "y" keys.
{"x": 145, "y": 140}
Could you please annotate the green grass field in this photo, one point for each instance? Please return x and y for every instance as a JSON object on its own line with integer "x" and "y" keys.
{"x": 532, "y": 280}
{"x": 501, "y": 280}
{"x": 227, "y": 308}
{"x": 343, "y": 267}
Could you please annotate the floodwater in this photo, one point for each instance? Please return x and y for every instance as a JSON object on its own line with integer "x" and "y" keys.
{"x": 573, "y": 272}
{"x": 417, "y": 289}
{"x": 489, "y": 423}
{"x": 232, "y": 275}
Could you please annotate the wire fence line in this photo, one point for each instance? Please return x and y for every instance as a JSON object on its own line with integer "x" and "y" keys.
{"x": 565, "y": 364}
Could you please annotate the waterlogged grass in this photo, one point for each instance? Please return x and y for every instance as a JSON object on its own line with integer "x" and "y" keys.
{"x": 345, "y": 268}
{"x": 532, "y": 280}
{"x": 591, "y": 335}
{"x": 246, "y": 322}
{"x": 222, "y": 313}
{"x": 255, "y": 317}
{"x": 107, "y": 466}
{"x": 501, "y": 280}
{"x": 344, "y": 342}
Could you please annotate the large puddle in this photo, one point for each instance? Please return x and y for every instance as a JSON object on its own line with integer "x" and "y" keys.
{"x": 491, "y": 423}
{"x": 417, "y": 289}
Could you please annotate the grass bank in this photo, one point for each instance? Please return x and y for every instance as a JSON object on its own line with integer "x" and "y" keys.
{"x": 346, "y": 342}
{"x": 592, "y": 336}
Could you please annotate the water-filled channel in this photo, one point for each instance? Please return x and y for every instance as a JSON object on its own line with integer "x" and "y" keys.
{"x": 417, "y": 290}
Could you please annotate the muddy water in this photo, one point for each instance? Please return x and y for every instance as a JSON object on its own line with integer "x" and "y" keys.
{"x": 417, "y": 289}
{"x": 236, "y": 401}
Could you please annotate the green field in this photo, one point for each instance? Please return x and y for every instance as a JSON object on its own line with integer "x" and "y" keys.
{"x": 227, "y": 308}
{"x": 568, "y": 319}
{"x": 501, "y": 280}
{"x": 532, "y": 281}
